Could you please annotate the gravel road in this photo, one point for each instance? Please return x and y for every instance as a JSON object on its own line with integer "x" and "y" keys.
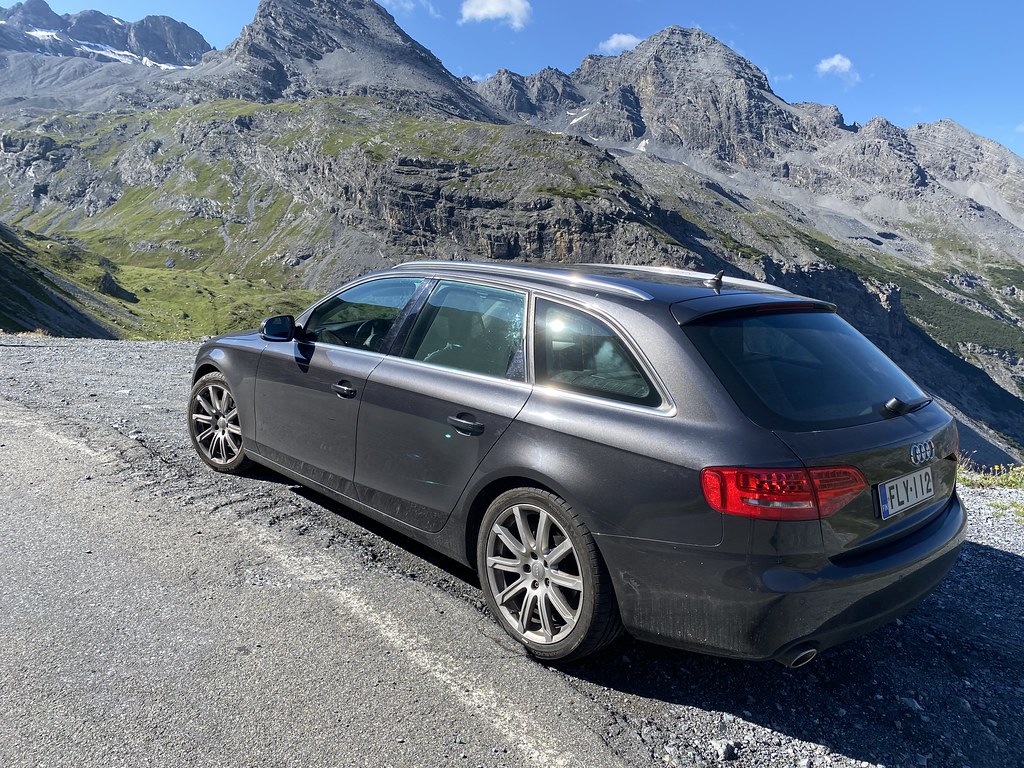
{"x": 153, "y": 612}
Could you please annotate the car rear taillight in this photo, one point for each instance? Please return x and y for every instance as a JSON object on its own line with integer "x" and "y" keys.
{"x": 781, "y": 494}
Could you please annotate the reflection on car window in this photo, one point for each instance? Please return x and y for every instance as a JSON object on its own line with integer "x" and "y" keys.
{"x": 471, "y": 328}
{"x": 578, "y": 352}
{"x": 361, "y": 316}
{"x": 800, "y": 371}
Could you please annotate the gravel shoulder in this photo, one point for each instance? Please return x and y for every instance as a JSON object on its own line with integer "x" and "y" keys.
{"x": 155, "y": 612}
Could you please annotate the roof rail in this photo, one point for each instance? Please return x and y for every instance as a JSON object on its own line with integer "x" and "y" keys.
{"x": 674, "y": 271}
{"x": 560, "y": 275}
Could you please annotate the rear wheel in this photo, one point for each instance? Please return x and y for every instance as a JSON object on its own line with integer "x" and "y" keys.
{"x": 213, "y": 424}
{"x": 543, "y": 577}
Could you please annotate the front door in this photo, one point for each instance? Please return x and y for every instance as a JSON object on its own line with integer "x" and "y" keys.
{"x": 308, "y": 391}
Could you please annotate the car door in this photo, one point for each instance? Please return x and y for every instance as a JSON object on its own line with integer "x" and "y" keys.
{"x": 433, "y": 408}
{"x": 308, "y": 390}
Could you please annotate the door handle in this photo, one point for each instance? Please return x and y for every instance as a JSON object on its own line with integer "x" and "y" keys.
{"x": 465, "y": 425}
{"x": 344, "y": 389}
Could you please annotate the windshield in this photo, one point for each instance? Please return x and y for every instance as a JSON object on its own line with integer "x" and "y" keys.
{"x": 801, "y": 371}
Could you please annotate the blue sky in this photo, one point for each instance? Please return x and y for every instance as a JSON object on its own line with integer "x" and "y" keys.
{"x": 907, "y": 61}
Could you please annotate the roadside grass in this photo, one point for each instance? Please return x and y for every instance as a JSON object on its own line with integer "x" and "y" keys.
{"x": 1016, "y": 508}
{"x": 973, "y": 475}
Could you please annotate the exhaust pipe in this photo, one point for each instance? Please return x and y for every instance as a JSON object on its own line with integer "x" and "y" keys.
{"x": 797, "y": 656}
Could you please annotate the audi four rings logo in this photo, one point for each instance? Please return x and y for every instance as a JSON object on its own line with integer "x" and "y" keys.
{"x": 922, "y": 453}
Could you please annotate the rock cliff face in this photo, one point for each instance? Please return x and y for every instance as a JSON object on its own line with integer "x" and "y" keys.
{"x": 158, "y": 41}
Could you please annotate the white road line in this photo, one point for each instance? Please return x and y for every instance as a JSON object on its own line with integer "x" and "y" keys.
{"x": 528, "y": 736}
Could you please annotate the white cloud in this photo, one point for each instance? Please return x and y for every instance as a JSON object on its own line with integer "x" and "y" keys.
{"x": 515, "y": 12}
{"x": 618, "y": 43}
{"x": 408, "y": 6}
{"x": 840, "y": 66}
{"x": 837, "y": 64}
{"x": 399, "y": 6}
{"x": 1019, "y": 128}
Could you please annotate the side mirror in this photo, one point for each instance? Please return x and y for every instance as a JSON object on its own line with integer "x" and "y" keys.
{"x": 280, "y": 328}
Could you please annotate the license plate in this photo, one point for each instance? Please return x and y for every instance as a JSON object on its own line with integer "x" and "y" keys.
{"x": 905, "y": 492}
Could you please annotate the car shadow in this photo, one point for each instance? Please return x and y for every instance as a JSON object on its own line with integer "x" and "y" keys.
{"x": 412, "y": 551}
{"x": 943, "y": 686}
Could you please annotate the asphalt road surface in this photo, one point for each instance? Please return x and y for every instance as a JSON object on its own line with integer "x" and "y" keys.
{"x": 153, "y": 612}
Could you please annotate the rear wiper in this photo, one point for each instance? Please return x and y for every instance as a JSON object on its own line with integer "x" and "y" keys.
{"x": 901, "y": 408}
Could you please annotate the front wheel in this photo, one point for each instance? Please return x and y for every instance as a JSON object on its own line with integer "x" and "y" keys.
{"x": 543, "y": 577}
{"x": 213, "y": 424}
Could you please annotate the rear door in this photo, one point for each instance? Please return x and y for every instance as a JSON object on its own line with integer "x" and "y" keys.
{"x": 433, "y": 409}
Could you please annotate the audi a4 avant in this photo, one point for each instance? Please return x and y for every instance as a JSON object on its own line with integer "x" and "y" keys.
{"x": 708, "y": 463}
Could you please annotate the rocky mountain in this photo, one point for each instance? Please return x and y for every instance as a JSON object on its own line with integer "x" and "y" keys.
{"x": 301, "y": 49}
{"x": 324, "y": 143}
{"x": 683, "y": 96}
{"x": 155, "y": 41}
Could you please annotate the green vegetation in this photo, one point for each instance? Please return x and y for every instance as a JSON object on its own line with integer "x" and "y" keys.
{"x": 733, "y": 245}
{"x": 953, "y": 324}
{"x": 202, "y": 197}
{"x": 243, "y": 187}
{"x": 1000, "y": 476}
{"x": 580, "y": 192}
{"x": 1016, "y": 508}
{"x": 1005, "y": 276}
{"x": 155, "y": 302}
{"x": 974, "y": 475}
{"x": 946, "y": 321}
{"x": 859, "y": 265}
{"x": 182, "y": 305}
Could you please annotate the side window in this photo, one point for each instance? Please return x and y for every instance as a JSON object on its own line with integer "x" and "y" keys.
{"x": 578, "y": 352}
{"x": 471, "y": 328}
{"x": 361, "y": 316}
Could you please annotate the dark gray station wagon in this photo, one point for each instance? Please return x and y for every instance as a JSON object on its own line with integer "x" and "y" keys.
{"x": 712, "y": 464}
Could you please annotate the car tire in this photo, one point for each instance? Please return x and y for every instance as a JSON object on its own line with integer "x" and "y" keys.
{"x": 213, "y": 424}
{"x": 543, "y": 577}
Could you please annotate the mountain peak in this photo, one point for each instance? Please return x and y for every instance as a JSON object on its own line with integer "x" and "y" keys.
{"x": 697, "y": 52}
{"x": 301, "y": 48}
{"x": 36, "y": 14}
{"x": 33, "y": 27}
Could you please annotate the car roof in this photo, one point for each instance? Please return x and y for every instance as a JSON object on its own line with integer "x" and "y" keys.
{"x": 666, "y": 285}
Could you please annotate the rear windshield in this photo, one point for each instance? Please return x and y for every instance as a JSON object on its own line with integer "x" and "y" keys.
{"x": 801, "y": 371}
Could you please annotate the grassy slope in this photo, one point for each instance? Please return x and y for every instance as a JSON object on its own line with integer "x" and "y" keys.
{"x": 155, "y": 303}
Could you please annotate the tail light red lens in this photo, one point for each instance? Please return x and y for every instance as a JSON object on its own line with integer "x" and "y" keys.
{"x": 781, "y": 494}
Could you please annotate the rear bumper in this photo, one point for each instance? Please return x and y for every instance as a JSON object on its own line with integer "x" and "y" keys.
{"x": 758, "y": 608}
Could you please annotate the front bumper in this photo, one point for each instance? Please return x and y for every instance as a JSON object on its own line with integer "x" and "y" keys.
{"x": 723, "y": 604}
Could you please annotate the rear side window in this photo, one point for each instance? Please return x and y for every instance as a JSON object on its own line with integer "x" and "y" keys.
{"x": 471, "y": 328}
{"x": 800, "y": 371}
{"x": 578, "y": 352}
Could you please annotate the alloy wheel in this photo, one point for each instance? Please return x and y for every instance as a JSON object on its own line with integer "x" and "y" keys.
{"x": 214, "y": 422}
{"x": 534, "y": 574}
